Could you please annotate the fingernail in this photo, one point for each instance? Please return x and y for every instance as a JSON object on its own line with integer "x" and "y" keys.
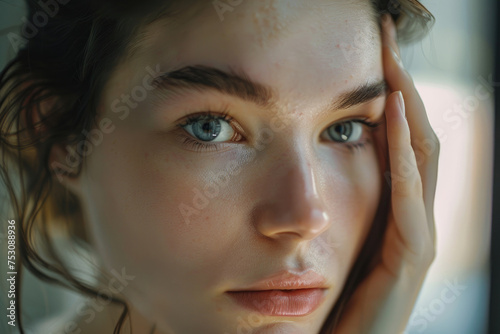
{"x": 385, "y": 18}
{"x": 393, "y": 32}
{"x": 401, "y": 103}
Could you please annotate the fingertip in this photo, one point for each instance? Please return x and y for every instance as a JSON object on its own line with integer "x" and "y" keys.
{"x": 385, "y": 19}
{"x": 389, "y": 33}
{"x": 388, "y": 24}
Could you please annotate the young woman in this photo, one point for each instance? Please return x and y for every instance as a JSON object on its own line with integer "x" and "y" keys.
{"x": 241, "y": 166}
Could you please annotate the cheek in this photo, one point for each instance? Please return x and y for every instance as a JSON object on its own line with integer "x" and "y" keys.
{"x": 152, "y": 208}
{"x": 354, "y": 198}
{"x": 156, "y": 211}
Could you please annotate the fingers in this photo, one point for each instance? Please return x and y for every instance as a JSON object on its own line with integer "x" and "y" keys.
{"x": 408, "y": 209}
{"x": 400, "y": 149}
{"x": 399, "y": 79}
{"x": 389, "y": 34}
{"x": 423, "y": 139}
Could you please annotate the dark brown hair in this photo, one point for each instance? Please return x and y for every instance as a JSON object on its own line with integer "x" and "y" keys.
{"x": 68, "y": 62}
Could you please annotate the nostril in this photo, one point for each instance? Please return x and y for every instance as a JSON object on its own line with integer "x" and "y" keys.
{"x": 289, "y": 235}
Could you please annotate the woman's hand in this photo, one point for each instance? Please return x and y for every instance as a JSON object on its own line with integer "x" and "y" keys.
{"x": 383, "y": 302}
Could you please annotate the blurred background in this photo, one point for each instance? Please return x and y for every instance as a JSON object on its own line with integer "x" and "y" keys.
{"x": 453, "y": 71}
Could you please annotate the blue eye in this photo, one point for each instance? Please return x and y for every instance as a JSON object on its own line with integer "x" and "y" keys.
{"x": 209, "y": 128}
{"x": 346, "y": 131}
{"x": 349, "y": 132}
{"x": 206, "y": 128}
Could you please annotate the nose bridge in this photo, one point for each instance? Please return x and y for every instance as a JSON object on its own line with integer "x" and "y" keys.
{"x": 291, "y": 202}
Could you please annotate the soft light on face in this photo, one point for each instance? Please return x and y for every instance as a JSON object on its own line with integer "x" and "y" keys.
{"x": 277, "y": 191}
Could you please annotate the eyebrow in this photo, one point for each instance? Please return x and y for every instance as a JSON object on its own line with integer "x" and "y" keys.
{"x": 238, "y": 84}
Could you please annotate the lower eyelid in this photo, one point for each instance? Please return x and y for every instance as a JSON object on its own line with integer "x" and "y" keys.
{"x": 186, "y": 140}
{"x": 184, "y": 136}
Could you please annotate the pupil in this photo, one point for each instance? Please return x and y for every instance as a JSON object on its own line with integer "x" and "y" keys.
{"x": 341, "y": 132}
{"x": 207, "y": 130}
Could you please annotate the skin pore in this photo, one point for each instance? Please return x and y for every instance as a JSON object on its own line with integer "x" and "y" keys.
{"x": 291, "y": 196}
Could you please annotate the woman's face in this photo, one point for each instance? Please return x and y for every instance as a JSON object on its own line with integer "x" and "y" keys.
{"x": 281, "y": 186}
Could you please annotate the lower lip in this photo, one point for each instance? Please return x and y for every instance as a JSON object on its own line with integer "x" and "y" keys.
{"x": 291, "y": 303}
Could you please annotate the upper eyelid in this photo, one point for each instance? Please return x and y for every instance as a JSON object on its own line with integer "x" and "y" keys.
{"x": 226, "y": 116}
{"x": 219, "y": 114}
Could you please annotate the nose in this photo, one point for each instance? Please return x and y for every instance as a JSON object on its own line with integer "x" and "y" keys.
{"x": 291, "y": 206}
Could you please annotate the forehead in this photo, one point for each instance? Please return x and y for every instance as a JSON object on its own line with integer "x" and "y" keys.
{"x": 287, "y": 44}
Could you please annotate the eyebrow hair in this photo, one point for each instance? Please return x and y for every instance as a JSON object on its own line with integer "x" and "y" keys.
{"x": 362, "y": 94}
{"x": 202, "y": 78}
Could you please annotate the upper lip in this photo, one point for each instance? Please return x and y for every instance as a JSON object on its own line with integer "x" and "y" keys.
{"x": 286, "y": 280}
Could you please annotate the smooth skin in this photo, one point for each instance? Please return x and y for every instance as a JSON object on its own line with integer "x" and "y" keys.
{"x": 312, "y": 193}
{"x": 384, "y": 301}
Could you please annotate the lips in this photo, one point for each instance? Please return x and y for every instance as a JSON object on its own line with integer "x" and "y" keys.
{"x": 283, "y": 294}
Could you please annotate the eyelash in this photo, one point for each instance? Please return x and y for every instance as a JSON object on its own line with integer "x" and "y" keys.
{"x": 225, "y": 116}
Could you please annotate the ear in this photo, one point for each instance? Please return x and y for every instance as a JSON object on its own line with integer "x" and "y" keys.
{"x": 65, "y": 165}
{"x": 63, "y": 162}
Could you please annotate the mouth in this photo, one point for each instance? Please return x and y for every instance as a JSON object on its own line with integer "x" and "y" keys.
{"x": 283, "y": 294}
{"x": 291, "y": 303}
